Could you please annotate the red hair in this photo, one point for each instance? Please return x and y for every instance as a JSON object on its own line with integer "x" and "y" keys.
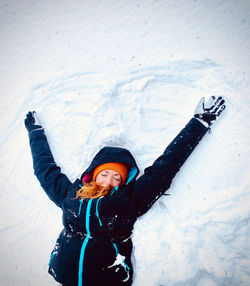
{"x": 92, "y": 190}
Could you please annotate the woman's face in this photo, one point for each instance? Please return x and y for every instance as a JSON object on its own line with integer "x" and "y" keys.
{"x": 108, "y": 178}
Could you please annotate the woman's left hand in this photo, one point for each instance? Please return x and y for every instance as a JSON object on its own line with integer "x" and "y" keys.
{"x": 208, "y": 112}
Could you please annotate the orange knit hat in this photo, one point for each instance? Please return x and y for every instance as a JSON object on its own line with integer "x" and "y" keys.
{"x": 118, "y": 167}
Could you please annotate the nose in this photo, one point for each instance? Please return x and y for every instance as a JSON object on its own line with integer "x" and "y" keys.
{"x": 108, "y": 181}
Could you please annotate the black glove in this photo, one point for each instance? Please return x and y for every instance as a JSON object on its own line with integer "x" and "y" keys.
{"x": 32, "y": 122}
{"x": 209, "y": 112}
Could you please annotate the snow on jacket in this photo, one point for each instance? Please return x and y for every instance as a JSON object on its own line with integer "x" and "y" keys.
{"x": 95, "y": 246}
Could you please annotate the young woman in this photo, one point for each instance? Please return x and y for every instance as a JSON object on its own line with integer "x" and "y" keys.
{"x": 100, "y": 208}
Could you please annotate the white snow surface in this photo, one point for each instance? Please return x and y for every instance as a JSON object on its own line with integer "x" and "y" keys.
{"x": 129, "y": 73}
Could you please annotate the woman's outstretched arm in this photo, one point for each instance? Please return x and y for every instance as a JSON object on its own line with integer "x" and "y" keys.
{"x": 158, "y": 177}
{"x": 52, "y": 180}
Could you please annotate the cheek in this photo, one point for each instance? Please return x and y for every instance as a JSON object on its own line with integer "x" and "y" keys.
{"x": 115, "y": 183}
{"x": 99, "y": 179}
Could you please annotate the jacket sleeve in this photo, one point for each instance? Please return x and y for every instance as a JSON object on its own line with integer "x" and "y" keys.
{"x": 48, "y": 173}
{"x": 158, "y": 177}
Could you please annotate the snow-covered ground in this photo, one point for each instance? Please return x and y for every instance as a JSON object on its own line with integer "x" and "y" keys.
{"x": 129, "y": 73}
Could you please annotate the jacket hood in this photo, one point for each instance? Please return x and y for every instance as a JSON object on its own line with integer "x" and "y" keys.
{"x": 112, "y": 154}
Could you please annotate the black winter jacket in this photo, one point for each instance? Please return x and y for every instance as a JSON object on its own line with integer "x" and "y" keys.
{"x": 94, "y": 248}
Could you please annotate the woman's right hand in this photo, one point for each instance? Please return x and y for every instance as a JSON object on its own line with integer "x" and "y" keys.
{"x": 32, "y": 121}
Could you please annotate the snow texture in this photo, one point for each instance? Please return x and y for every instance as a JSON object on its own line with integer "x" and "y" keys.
{"x": 129, "y": 73}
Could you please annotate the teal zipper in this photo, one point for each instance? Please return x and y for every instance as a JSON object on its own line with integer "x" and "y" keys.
{"x": 81, "y": 259}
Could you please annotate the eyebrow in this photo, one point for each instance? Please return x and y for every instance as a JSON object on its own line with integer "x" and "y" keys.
{"x": 109, "y": 172}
